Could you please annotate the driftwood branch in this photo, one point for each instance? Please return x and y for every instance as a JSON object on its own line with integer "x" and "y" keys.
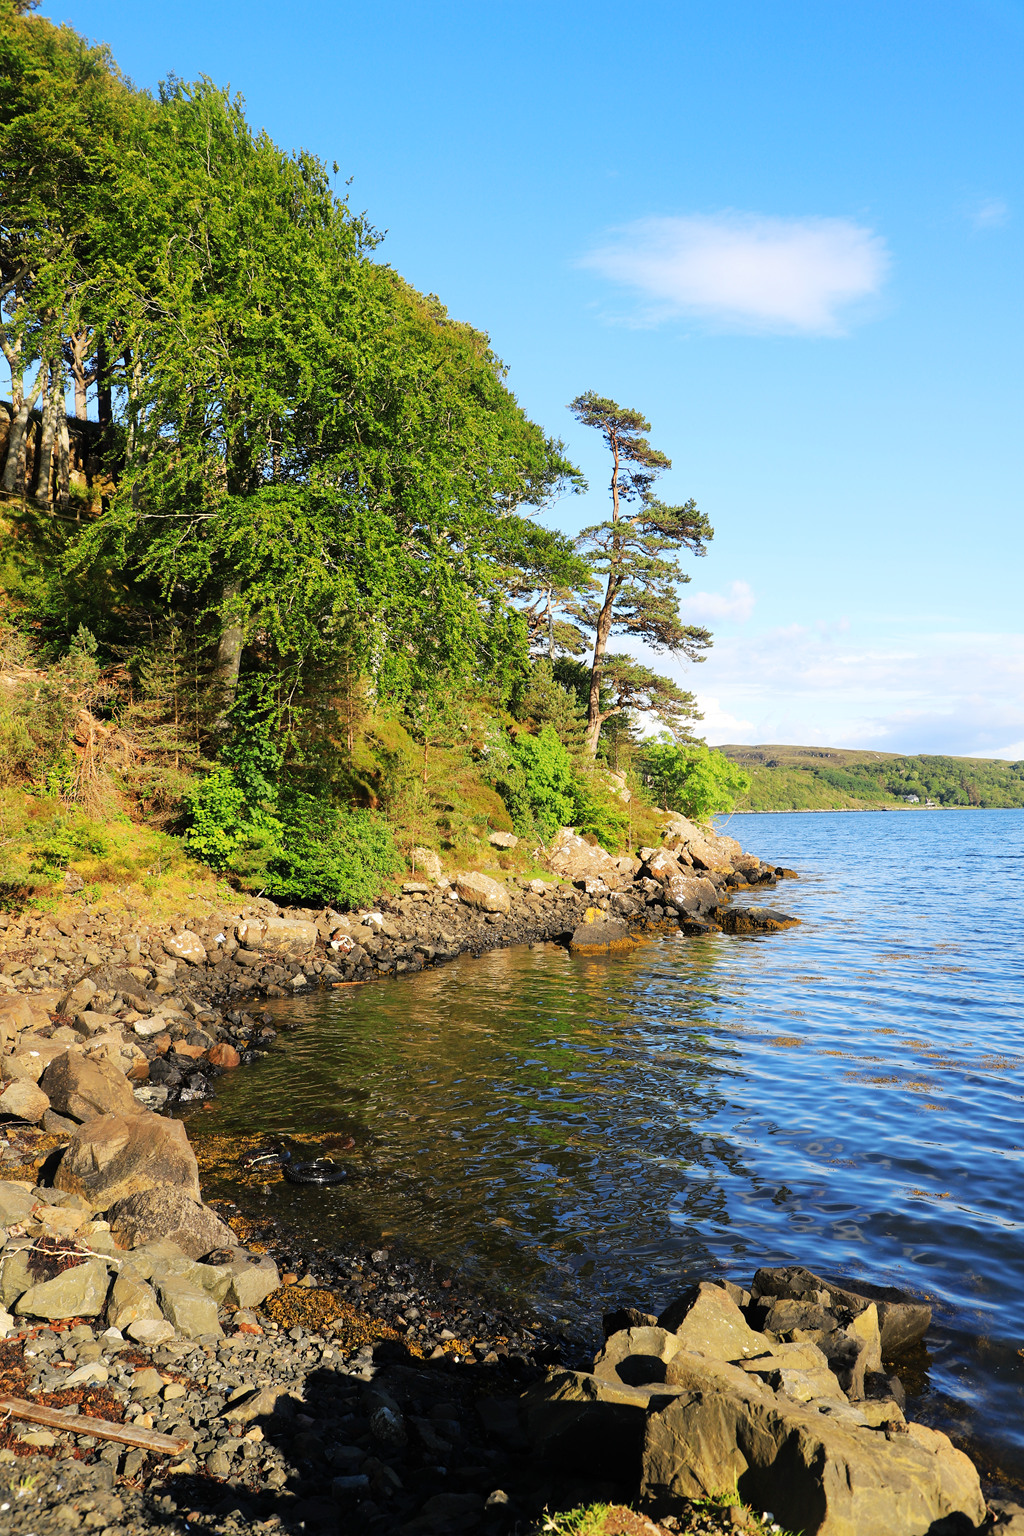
{"x": 82, "y": 1424}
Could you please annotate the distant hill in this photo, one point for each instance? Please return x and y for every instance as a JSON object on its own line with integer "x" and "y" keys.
{"x": 833, "y": 778}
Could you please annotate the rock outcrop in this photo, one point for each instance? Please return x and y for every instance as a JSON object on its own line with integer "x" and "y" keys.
{"x": 705, "y": 1401}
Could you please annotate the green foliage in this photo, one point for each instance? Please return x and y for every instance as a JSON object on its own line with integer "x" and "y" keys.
{"x": 54, "y": 846}
{"x": 545, "y": 788}
{"x": 694, "y": 779}
{"x": 330, "y": 855}
{"x": 538, "y": 781}
{"x": 302, "y": 850}
{"x": 224, "y": 823}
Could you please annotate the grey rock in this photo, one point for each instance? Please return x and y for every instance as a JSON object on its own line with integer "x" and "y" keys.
{"x": 114, "y": 1156}
{"x": 902, "y": 1319}
{"x": 172, "y": 1214}
{"x": 84, "y": 1087}
{"x": 602, "y": 933}
{"x": 77, "y": 1292}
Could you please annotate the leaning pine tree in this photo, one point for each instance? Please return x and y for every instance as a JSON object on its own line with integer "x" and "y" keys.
{"x": 633, "y": 554}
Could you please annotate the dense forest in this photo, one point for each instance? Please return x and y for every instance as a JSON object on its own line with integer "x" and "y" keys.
{"x": 275, "y": 585}
{"x": 829, "y": 778}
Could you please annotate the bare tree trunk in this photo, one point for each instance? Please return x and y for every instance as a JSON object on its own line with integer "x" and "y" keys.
{"x": 63, "y": 465}
{"x": 17, "y": 441}
{"x": 52, "y": 401}
{"x": 604, "y": 626}
{"x": 227, "y": 663}
{"x": 79, "y": 351}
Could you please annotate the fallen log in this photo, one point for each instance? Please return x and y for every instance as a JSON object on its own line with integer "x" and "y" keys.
{"x": 82, "y": 1424}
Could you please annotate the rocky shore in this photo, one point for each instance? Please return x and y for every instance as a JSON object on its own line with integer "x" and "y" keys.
{"x": 163, "y": 1368}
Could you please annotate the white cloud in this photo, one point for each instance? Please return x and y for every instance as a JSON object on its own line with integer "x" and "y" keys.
{"x": 705, "y": 607}
{"x": 992, "y": 213}
{"x": 939, "y": 692}
{"x": 718, "y": 724}
{"x": 751, "y": 271}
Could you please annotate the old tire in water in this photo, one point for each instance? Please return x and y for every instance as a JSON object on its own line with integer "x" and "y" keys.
{"x": 321, "y": 1171}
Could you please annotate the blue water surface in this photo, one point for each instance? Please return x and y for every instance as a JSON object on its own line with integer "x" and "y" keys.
{"x": 847, "y": 1094}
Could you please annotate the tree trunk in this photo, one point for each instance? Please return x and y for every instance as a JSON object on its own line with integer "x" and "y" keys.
{"x": 63, "y": 465}
{"x": 52, "y": 401}
{"x": 227, "y": 662}
{"x": 17, "y": 441}
{"x": 604, "y": 623}
{"x": 79, "y": 351}
{"x": 595, "y": 719}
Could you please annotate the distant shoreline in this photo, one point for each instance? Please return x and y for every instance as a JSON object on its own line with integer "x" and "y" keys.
{"x": 852, "y": 810}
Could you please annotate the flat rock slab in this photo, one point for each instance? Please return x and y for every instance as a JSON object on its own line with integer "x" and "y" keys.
{"x": 741, "y": 920}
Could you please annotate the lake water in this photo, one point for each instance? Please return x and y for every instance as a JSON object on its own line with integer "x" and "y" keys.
{"x": 847, "y": 1094}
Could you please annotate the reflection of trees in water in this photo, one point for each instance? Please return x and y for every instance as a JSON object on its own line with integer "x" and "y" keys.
{"x": 528, "y": 1111}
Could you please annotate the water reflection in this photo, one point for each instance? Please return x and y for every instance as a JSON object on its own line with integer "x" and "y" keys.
{"x": 845, "y": 1094}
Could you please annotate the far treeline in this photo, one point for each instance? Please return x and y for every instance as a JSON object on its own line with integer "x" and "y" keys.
{"x": 273, "y": 580}
{"x": 829, "y": 778}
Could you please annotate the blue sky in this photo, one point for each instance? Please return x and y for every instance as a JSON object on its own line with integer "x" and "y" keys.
{"x": 790, "y": 233}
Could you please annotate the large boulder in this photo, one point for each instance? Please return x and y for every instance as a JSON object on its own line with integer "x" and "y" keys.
{"x": 19, "y": 1013}
{"x": 193, "y": 1312}
{"x": 114, "y": 1156}
{"x": 25, "y": 1101}
{"x": 572, "y": 857}
{"x": 132, "y": 1301}
{"x": 600, "y": 933}
{"x": 164, "y": 1212}
{"x": 77, "y": 1292}
{"x": 277, "y": 935}
{"x": 84, "y": 1087}
{"x": 251, "y": 1284}
{"x": 711, "y": 1405}
{"x": 689, "y": 893}
{"x": 481, "y": 891}
{"x": 30, "y": 1059}
{"x": 706, "y": 1318}
{"x": 426, "y": 862}
{"x": 16, "y": 1203}
{"x": 702, "y": 846}
{"x": 825, "y": 1469}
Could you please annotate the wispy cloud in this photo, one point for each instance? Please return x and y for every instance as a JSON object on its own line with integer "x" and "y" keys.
{"x": 737, "y": 603}
{"x": 992, "y": 213}
{"x": 748, "y": 271}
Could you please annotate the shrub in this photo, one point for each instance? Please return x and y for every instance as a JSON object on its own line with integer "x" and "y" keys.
{"x": 302, "y": 849}
{"x": 693, "y": 778}
{"x": 342, "y": 857}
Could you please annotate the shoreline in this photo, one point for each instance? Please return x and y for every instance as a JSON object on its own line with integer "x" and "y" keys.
{"x": 310, "y": 1387}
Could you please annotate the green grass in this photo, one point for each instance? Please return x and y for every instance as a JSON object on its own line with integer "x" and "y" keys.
{"x": 589, "y": 1519}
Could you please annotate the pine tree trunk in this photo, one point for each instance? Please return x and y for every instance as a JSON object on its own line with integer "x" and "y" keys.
{"x": 604, "y": 626}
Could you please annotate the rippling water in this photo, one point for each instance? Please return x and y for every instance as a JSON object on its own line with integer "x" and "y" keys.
{"x": 847, "y": 1094}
